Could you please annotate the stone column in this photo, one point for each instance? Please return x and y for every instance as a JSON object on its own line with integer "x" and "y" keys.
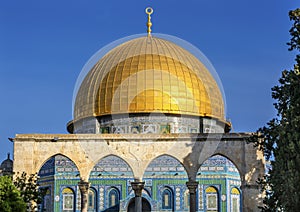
{"x": 138, "y": 188}
{"x": 251, "y": 197}
{"x": 84, "y": 191}
{"x": 192, "y": 186}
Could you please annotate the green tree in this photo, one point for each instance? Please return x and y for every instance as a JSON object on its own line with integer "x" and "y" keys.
{"x": 10, "y": 197}
{"x": 280, "y": 138}
{"x": 29, "y": 189}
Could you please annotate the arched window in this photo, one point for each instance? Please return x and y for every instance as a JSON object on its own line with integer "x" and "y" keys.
{"x": 92, "y": 204}
{"x": 186, "y": 198}
{"x": 235, "y": 200}
{"x": 113, "y": 198}
{"x": 68, "y": 200}
{"x": 167, "y": 199}
{"x": 211, "y": 199}
{"x": 46, "y": 203}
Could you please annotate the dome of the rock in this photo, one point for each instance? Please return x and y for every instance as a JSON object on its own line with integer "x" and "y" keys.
{"x": 148, "y": 75}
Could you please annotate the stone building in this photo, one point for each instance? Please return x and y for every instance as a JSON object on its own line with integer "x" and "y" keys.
{"x": 6, "y": 167}
{"x": 149, "y": 134}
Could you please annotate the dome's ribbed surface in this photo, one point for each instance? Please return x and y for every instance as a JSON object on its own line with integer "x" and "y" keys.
{"x": 146, "y": 75}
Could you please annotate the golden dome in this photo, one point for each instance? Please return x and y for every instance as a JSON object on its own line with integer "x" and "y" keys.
{"x": 147, "y": 75}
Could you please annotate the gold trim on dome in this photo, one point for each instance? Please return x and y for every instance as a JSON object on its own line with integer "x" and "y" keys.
{"x": 148, "y": 75}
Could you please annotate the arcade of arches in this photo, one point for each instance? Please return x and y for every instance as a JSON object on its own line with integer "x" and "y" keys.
{"x": 169, "y": 176}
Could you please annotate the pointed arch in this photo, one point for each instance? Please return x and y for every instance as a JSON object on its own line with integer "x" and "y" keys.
{"x": 231, "y": 158}
{"x": 217, "y": 164}
{"x": 217, "y": 173}
{"x": 166, "y": 166}
{"x": 69, "y": 153}
{"x": 111, "y": 165}
{"x": 57, "y": 164}
{"x": 49, "y": 164}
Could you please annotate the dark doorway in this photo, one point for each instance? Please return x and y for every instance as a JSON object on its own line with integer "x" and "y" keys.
{"x": 146, "y": 207}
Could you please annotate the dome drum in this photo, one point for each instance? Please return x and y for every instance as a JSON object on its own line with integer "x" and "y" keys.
{"x": 146, "y": 123}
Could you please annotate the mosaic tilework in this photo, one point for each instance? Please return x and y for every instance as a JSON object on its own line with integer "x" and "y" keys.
{"x": 101, "y": 197}
{"x": 151, "y": 124}
{"x": 111, "y": 165}
{"x": 48, "y": 168}
{"x": 200, "y": 196}
{"x": 178, "y": 198}
{"x": 217, "y": 165}
{"x": 147, "y": 123}
{"x": 164, "y": 171}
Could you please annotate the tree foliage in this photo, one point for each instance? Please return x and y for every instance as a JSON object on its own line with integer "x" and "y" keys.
{"x": 10, "y": 197}
{"x": 21, "y": 194}
{"x": 280, "y": 138}
{"x": 29, "y": 190}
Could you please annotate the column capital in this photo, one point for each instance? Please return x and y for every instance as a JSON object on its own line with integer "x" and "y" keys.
{"x": 83, "y": 186}
{"x": 192, "y": 186}
{"x": 138, "y": 188}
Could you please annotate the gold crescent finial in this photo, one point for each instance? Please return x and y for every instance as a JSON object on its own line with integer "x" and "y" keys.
{"x": 149, "y": 11}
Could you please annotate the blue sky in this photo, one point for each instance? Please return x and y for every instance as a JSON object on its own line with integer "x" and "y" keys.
{"x": 44, "y": 45}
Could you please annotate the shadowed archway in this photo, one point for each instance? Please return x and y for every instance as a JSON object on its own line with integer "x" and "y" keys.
{"x": 110, "y": 175}
{"x": 166, "y": 178}
{"x": 216, "y": 174}
{"x": 146, "y": 207}
{"x": 59, "y": 168}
